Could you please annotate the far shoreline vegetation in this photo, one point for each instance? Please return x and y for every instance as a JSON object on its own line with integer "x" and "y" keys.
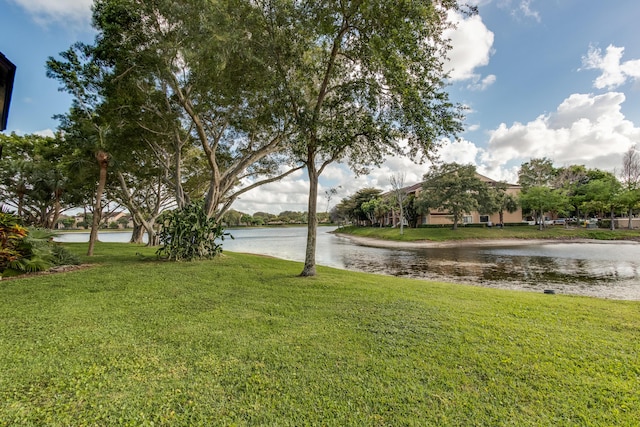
{"x": 446, "y": 233}
{"x": 442, "y": 234}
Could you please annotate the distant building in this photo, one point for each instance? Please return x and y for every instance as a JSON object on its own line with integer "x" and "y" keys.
{"x": 445, "y": 218}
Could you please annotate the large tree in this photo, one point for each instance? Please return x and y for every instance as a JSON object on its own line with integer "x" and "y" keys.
{"x": 198, "y": 71}
{"x": 362, "y": 80}
{"x": 399, "y": 196}
{"x": 34, "y": 179}
{"x": 542, "y": 198}
{"x": 604, "y": 195}
{"x": 498, "y": 200}
{"x": 630, "y": 177}
{"x": 537, "y": 172}
{"x": 570, "y": 179}
{"x": 86, "y": 126}
{"x": 373, "y": 209}
{"x": 453, "y": 188}
{"x": 357, "y": 206}
{"x": 192, "y": 82}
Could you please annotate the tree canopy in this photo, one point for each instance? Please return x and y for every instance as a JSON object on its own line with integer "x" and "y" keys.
{"x": 361, "y": 80}
{"x": 453, "y": 188}
{"x": 35, "y": 180}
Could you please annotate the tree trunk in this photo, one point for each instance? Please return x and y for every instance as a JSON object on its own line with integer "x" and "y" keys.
{"x": 56, "y": 212}
{"x": 103, "y": 163}
{"x": 312, "y": 220}
{"x": 146, "y": 225}
{"x": 20, "y": 204}
{"x": 138, "y": 232}
{"x": 612, "y": 216}
{"x": 181, "y": 198}
{"x": 152, "y": 237}
{"x": 540, "y": 221}
{"x": 630, "y": 224}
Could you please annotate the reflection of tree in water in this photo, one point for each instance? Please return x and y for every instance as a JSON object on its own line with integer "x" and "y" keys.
{"x": 476, "y": 266}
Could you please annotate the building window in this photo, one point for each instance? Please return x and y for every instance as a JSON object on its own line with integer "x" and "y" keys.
{"x": 467, "y": 219}
{"x": 484, "y": 218}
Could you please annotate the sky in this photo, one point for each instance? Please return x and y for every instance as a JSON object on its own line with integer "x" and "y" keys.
{"x": 539, "y": 78}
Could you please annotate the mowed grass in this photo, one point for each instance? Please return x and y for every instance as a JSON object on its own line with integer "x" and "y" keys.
{"x": 242, "y": 340}
{"x": 470, "y": 233}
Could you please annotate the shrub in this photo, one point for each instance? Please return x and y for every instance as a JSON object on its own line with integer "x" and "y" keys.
{"x": 11, "y": 236}
{"x": 28, "y": 250}
{"x": 187, "y": 234}
{"x": 62, "y": 256}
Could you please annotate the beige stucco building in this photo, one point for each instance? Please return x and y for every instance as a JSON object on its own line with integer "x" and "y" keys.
{"x": 444, "y": 218}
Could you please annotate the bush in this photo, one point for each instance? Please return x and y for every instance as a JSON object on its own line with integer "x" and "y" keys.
{"x": 187, "y": 234}
{"x": 11, "y": 236}
{"x": 28, "y": 250}
{"x": 61, "y": 256}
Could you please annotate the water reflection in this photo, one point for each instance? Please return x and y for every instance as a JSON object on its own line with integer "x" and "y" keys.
{"x": 103, "y": 236}
{"x": 598, "y": 269}
{"x": 609, "y": 269}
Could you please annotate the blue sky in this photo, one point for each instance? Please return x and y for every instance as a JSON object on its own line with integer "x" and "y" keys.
{"x": 541, "y": 78}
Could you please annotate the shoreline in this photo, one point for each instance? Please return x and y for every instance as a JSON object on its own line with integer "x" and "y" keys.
{"x": 425, "y": 244}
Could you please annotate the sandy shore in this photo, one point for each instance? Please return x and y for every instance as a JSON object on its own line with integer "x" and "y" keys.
{"x": 393, "y": 244}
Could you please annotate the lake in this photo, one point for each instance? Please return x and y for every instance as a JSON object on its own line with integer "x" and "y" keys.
{"x": 600, "y": 269}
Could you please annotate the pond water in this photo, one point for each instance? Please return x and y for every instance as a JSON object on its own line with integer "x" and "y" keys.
{"x": 601, "y": 269}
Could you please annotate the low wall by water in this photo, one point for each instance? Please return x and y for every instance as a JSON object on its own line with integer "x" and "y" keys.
{"x": 624, "y": 222}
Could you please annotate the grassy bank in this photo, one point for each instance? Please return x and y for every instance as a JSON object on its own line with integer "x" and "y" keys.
{"x": 465, "y": 233}
{"x": 241, "y": 340}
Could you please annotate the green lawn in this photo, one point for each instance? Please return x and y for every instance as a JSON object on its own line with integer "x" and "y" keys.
{"x": 465, "y": 233}
{"x": 241, "y": 340}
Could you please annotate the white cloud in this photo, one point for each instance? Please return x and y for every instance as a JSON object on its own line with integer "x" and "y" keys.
{"x": 472, "y": 44}
{"x": 379, "y": 177}
{"x": 45, "y": 132}
{"x": 69, "y": 12}
{"x": 614, "y": 72}
{"x": 463, "y": 152}
{"x": 521, "y": 8}
{"x": 525, "y": 9}
{"x": 289, "y": 194}
{"x": 481, "y": 85}
{"x": 585, "y": 129}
